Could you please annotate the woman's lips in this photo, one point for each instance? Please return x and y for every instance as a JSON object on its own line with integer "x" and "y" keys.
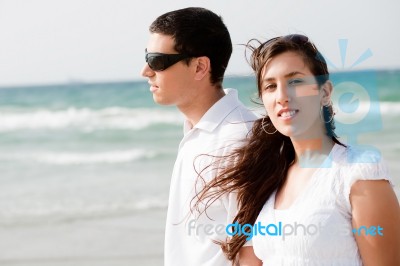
{"x": 287, "y": 114}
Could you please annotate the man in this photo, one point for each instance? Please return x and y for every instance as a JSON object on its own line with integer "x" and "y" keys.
{"x": 186, "y": 57}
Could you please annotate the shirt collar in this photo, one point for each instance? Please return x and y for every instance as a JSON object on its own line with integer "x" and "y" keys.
{"x": 217, "y": 113}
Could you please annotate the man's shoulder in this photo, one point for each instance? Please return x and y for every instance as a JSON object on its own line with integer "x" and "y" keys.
{"x": 235, "y": 126}
{"x": 244, "y": 112}
{"x": 241, "y": 116}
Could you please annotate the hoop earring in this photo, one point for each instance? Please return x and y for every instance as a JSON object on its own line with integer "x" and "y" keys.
{"x": 321, "y": 113}
{"x": 263, "y": 127}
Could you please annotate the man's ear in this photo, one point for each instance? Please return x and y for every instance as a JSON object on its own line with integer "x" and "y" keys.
{"x": 327, "y": 90}
{"x": 203, "y": 67}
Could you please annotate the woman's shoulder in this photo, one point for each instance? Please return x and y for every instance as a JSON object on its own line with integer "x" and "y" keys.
{"x": 356, "y": 154}
{"x": 354, "y": 163}
{"x": 358, "y": 162}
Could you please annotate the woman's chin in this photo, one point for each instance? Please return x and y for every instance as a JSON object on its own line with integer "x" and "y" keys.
{"x": 286, "y": 131}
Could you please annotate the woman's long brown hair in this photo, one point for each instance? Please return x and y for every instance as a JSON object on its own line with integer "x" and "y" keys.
{"x": 260, "y": 166}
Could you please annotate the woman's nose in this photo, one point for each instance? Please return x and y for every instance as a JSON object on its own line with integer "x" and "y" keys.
{"x": 282, "y": 96}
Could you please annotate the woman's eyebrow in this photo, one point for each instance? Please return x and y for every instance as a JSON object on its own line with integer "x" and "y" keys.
{"x": 289, "y": 75}
{"x": 294, "y": 73}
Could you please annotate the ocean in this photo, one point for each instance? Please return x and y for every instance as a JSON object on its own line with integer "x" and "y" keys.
{"x": 85, "y": 168}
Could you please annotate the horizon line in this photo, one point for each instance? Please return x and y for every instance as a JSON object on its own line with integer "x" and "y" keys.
{"x": 78, "y": 82}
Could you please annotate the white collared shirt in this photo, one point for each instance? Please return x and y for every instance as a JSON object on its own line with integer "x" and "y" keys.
{"x": 188, "y": 237}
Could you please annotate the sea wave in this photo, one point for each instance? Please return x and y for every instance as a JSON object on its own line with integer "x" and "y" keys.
{"x": 385, "y": 108}
{"x": 117, "y": 118}
{"x": 86, "y": 119}
{"x": 390, "y": 108}
{"x": 15, "y": 213}
{"x": 74, "y": 158}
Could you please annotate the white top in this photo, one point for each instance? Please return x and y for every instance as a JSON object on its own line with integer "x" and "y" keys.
{"x": 320, "y": 217}
{"x": 188, "y": 241}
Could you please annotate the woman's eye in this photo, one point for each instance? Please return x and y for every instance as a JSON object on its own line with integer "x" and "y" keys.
{"x": 294, "y": 82}
{"x": 269, "y": 87}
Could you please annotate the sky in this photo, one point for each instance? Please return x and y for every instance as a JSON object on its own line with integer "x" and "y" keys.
{"x": 59, "y": 41}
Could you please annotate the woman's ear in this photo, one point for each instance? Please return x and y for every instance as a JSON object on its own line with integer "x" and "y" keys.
{"x": 203, "y": 67}
{"x": 327, "y": 90}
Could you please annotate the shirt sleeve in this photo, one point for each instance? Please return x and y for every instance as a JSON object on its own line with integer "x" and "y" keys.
{"x": 362, "y": 165}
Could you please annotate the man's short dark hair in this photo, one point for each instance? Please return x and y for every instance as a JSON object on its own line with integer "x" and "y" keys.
{"x": 198, "y": 32}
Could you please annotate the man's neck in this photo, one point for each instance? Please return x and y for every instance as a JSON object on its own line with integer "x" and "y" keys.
{"x": 195, "y": 110}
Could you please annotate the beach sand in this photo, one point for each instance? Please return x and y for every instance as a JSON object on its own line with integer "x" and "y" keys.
{"x": 135, "y": 239}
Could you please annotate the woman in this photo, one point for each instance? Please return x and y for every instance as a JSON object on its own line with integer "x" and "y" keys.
{"x": 294, "y": 173}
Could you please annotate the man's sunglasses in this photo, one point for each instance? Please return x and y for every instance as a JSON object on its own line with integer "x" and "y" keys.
{"x": 160, "y": 61}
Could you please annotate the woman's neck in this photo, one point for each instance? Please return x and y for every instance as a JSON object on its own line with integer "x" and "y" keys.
{"x": 311, "y": 153}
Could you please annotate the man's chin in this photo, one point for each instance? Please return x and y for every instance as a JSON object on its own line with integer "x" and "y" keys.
{"x": 159, "y": 101}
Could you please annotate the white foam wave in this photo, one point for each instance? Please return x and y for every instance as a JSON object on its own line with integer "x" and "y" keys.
{"x": 390, "y": 108}
{"x": 385, "y": 108}
{"x": 43, "y": 210}
{"x": 87, "y": 119}
{"x": 73, "y": 158}
{"x": 115, "y": 118}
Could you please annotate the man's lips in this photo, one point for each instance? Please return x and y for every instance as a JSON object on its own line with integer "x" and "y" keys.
{"x": 153, "y": 87}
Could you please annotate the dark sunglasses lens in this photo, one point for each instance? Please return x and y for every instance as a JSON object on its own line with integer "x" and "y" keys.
{"x": 156, "y": 62}
{"x": 160, "y": 62}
